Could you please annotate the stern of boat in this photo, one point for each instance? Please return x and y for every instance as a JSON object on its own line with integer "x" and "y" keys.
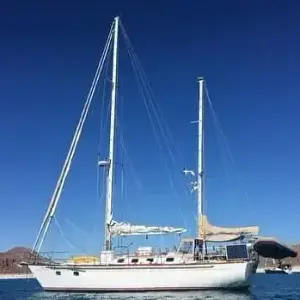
{"x": 243, "y": 279}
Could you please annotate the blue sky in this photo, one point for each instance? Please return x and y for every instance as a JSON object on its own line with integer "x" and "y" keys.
{"x": 248, "y": 51}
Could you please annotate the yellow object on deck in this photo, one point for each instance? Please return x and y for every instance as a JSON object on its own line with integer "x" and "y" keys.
{"x": 84, "y": 259}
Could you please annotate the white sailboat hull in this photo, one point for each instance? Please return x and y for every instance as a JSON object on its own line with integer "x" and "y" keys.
{"x": 144, "y": 278}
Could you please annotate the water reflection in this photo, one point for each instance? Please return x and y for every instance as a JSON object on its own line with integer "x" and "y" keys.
{"x": 263, "y": 287}
{"x": 211, "y": 295}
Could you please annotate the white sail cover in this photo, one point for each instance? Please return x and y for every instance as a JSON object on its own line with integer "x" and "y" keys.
{"x": 121, "y": 229}
{"x": 222, "y": 234}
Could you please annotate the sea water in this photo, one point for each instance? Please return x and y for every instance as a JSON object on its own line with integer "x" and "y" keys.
{"x": 264, "y": 287}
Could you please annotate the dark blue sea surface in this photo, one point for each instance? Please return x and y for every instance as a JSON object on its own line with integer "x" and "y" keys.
{"x": 265, "y": 287}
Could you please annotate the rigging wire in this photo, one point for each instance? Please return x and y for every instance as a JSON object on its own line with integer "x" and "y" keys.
{"x": 67, "y": 164}
{"x": 223, "y": 138}
{"x": 150, "y": 94}
{"x": 100, "y": 182}
{"x": 145, "y": 90}
{"x": 147, "y": 93}
{"x": 126, "y": 161}
{"x": 128, "y": 157}
{"x": 119, "y": 121}
{"x": 65, "y": 237}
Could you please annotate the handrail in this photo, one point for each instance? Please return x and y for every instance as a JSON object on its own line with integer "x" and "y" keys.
{"x": 54, "y": 257}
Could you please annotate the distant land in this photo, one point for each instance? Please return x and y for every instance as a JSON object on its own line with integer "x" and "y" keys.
{"x": 294, "y": 261}
{"x": 11, "y": 259}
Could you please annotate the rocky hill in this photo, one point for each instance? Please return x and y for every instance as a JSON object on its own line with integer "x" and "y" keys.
{"x": 10, "y": 260}
{"x": 294, "y": 261}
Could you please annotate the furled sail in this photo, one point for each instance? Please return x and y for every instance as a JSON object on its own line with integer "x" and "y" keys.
{"x": 223, "y": 234}
{"x": 130, "y": 229}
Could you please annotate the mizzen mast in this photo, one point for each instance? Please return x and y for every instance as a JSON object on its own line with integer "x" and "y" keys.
{"x": 198, "y": 184}
{"x": 200, "y": 153}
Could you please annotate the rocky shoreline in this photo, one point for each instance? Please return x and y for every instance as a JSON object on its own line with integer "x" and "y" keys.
{"x": 11, "y": 259}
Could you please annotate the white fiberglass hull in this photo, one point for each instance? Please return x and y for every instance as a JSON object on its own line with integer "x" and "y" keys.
{"x": 144, "y": 278}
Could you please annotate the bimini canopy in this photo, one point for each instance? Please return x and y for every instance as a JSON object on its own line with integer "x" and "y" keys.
{"x": 271, "y": 248}
{"x": 212, "y": 233}
{"x": 122, "y": 229}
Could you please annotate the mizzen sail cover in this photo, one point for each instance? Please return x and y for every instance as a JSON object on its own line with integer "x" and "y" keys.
{"x": 212, "y": 233}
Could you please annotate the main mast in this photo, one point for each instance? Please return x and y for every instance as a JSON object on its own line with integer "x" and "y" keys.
{"x": 200, "y": 154}
{"x": 109, "y": 182}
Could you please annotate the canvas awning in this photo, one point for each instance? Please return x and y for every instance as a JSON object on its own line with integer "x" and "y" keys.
{"x": 271, "y": 248}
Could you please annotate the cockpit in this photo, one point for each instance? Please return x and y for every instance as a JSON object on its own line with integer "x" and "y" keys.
{"x": 199, "y": 250}
{"x": 191, "y": 246}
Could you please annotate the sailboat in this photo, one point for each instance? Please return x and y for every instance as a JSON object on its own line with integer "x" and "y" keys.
{"x": 192, "y": 266}
{"x": 278, "y": 268}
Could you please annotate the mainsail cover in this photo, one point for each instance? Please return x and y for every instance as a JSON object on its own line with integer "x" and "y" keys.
{"x": 121, "y": 229}
{"x": 212, "y": 233}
